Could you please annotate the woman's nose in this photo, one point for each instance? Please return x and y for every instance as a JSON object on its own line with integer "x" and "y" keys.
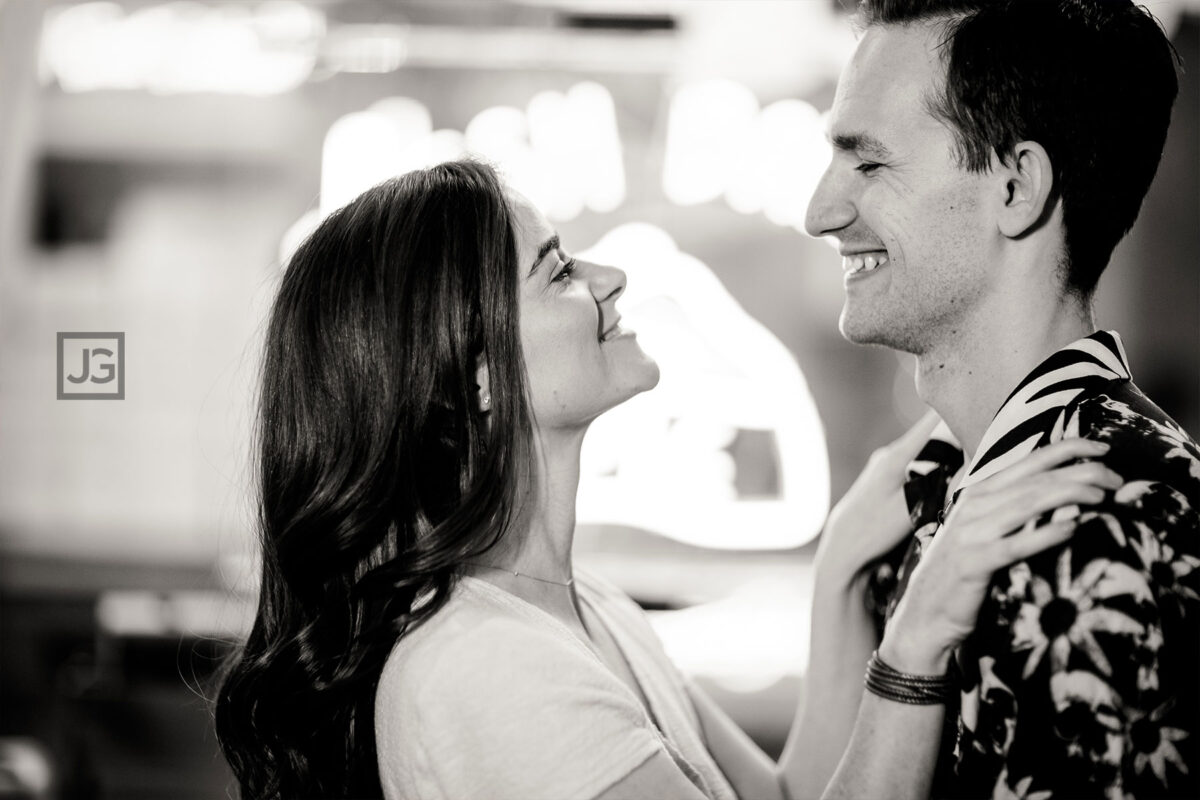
{"x": 607, "y": 282}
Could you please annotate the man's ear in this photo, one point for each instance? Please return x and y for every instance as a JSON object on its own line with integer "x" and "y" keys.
{"x": 1028, "y": 189}
{"x": 483, "y": 397}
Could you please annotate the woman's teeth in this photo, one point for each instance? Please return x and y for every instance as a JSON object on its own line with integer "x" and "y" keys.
{"x": 862, "y": 263}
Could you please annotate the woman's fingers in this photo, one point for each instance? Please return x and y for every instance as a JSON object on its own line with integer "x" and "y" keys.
{"x": 1045, "y": 458}
{"x": 994, "y": 513}
{"x": 905, "y": 448}
{"x": 988, "y": 498}
{"x": 946, "y": 588}
{"x": 1091, "y": 472}
{"x": 1021, "y": 546}
{"x": 872, "y": 516}
{"x": 911, "y": 441}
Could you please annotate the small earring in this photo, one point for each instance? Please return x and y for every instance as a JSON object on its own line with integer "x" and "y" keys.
{"x": 486, "y": 400}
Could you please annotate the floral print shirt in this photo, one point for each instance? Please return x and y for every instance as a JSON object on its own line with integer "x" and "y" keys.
{"x": 1082, "y": 677}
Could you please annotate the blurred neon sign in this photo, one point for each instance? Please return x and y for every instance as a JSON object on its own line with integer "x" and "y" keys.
{"x": 720, "y": 144}
{"x": 562, "y": 151}
{"x": 662, "y": 461}
{"x": 179, "y": 47}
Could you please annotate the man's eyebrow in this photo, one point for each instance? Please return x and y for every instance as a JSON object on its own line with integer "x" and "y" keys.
{"x": 863, "y": 143}
{"x": 550, "y": 244}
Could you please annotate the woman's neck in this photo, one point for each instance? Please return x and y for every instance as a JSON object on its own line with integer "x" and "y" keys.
{"x": 538, "y": 546}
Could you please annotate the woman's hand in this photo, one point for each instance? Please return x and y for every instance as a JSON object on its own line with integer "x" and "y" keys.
{"x": 872, "y": 517}
{"x": 940, "y": 605}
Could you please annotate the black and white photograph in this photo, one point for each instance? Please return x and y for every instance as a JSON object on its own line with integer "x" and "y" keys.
{"x": 599, "y": 399}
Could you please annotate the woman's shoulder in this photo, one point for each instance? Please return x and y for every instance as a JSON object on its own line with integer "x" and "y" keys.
{"x": 603, "y": 591}
{"x": 488, "y": 689}
{"x": 619, "y": 608}
{"x": 591, "y": 581}
{"x": 469, "y": 625}
{"x": 483, "y": 641}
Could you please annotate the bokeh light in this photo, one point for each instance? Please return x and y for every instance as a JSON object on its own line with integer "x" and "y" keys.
{"x": 662, "y": 461}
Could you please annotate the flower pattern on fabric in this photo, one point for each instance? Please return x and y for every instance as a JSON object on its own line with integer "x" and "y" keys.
{"x": 994, "y": 700}
{"x": 1018, "y": 792}
{"x": 1088, "y": 719}
{"x": 1154, "y": 744}
{"x": 1081, "y": 677}
{"x": 1067, "y": 616}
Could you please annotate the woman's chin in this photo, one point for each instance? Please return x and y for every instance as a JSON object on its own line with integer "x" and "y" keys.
{"x": 654, "y": 375}
{"x": 647, "y": 378}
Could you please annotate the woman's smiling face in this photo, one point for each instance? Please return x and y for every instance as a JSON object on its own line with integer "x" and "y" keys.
{"x": 580, "y": 362}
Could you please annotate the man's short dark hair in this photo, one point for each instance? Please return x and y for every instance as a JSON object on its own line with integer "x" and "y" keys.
{"x": 1091, "y": 81}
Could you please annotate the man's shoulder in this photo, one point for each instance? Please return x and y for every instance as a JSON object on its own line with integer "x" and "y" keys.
{"x": 1147, "y": 445}
{"x": 1123, "y": 408}
{"x": 1083, "y": 648}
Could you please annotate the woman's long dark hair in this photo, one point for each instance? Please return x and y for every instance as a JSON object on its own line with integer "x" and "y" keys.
{"x": 379, "y": 475}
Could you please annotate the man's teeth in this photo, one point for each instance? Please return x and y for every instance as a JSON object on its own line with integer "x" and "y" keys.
{"x": 862, "y": 263}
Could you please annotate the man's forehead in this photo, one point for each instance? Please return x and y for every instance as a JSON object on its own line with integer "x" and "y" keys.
{"x": 886, "y": 84}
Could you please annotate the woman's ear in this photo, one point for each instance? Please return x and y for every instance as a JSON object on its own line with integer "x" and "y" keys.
{"x": 482, "y": 380}
{"x": 1028, "y": 190}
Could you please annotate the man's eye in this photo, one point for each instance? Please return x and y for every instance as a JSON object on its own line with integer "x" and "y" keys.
{"x": 867, "y": 167}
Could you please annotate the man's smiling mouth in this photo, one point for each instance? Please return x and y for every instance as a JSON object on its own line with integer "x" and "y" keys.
{"x": 863, "y": 262}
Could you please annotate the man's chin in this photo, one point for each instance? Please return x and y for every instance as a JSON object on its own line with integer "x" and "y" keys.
{"x": 875, "y": 333}
{"x": 860, "y": 331}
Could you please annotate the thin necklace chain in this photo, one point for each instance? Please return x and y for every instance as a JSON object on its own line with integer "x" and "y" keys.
{"x": 520, "y": 574}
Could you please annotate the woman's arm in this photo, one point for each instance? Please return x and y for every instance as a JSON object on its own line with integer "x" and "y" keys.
{"x": 893, "y": 746}
{"x": 870, "y": 519}
{"x": 867, "y": 522}
{"x": 658, "y": 777}
{"x": 843, "y": 636}
{"x": 892, "y": 752}
{"x": 841, "y": 642}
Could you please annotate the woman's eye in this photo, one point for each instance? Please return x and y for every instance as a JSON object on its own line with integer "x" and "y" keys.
{"x": 867, "y": 167}
{"x": 567, "y": 270}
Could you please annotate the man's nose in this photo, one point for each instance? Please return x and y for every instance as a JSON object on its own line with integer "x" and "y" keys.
{"x": 830, "y": 209}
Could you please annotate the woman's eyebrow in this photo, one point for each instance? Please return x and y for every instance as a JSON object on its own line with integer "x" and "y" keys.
{"x": 550, "y": 244}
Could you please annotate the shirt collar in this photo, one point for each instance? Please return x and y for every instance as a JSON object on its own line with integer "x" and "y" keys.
{"x": 1035, "y": 407}
{"x": 1032, "y": 409}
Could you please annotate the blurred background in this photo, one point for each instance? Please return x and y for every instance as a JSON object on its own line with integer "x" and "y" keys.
{"x": 158, "y": 162}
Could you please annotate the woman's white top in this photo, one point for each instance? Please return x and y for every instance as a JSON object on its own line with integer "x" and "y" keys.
{"x": 494, "y": 699}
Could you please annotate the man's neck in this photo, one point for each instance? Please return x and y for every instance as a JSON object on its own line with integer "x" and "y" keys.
{"x": 967, "y": 378}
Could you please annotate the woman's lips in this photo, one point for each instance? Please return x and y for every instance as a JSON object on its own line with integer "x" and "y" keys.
{"x": 615, "y": 332}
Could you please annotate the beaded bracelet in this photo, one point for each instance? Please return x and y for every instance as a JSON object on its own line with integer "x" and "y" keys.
{"x": 891, "y": 684}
